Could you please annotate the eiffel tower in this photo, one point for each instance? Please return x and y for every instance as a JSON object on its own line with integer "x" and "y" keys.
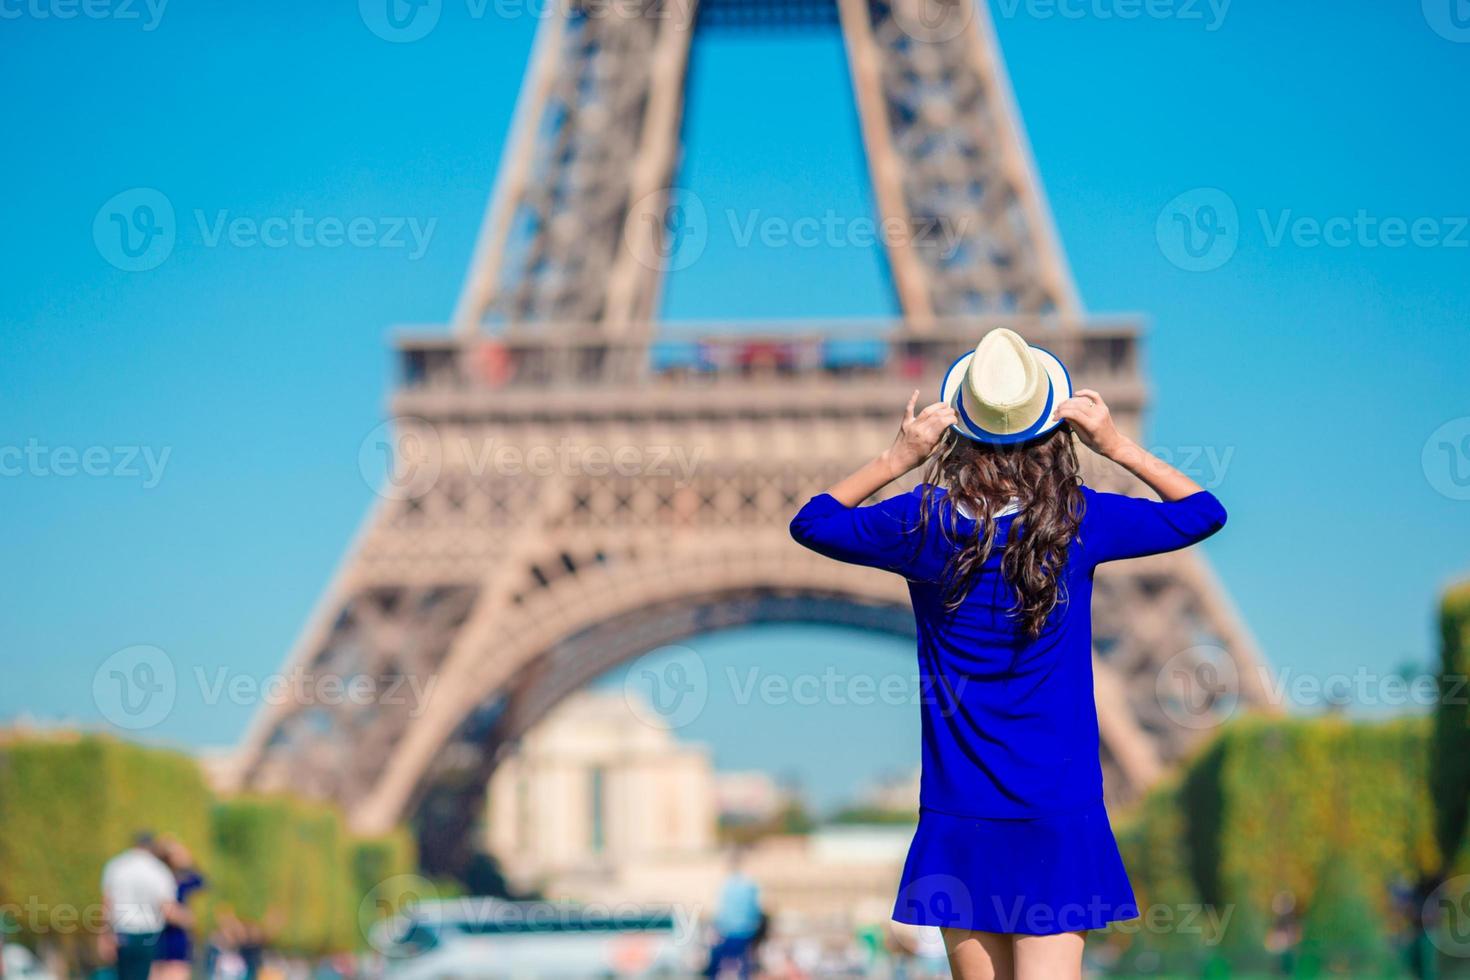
{"x": 511, "y": 586}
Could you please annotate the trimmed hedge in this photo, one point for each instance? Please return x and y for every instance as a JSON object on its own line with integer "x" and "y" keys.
{"x": 384, "y": 880}
{"x": 1317, "y": 808}
{"x": 291, "y": 866}
{"x": 1274, "y": 802}
{"x": 375, "y": 860}
{"x": 283, "y": 863}
{"x": 1153, "y": 839}
{"x": 68, "y": 803}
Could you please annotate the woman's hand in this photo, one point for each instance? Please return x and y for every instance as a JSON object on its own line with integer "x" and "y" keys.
{"x": 918, "y": 435}
{"x": 1093, "y": 423}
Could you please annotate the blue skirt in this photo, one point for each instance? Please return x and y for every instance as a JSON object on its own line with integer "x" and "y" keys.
{"x": 1038, "y": 876}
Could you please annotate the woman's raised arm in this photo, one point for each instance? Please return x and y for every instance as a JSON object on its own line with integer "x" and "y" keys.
{"x": 1093, "y": 423}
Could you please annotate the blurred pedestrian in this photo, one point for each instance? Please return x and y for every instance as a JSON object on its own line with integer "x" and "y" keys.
{"x": 738, "y": 921}
{"x": 176, "y": 946}
{"x": 238, "y": 947}
{"x": 252, "y": 948}
{"x": 222, "y": 959}
{"x": 138, "y": 894}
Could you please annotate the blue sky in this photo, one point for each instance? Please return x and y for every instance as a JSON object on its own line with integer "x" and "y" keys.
{"x": 1316, "y": 372}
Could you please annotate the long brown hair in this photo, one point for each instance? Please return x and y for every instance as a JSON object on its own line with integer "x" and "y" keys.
{"x": 1041, "y": 476}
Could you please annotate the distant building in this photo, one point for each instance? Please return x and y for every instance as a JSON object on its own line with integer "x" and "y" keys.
{"x": 596, "y": 805}
{"x": 894, "y": 793}
{"x": 220, "y": 766}
{"x": 748, "y": 797}
{"x": 594, "y": 794}
{"x": 866, "y": 844}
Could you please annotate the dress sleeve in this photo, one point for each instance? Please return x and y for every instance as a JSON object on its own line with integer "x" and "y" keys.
{"x": 1117, "y": 526}
{"x": 880, "y": 535}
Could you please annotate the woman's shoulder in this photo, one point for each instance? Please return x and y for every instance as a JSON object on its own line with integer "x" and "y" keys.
{"x": 924, "y": 506}
{"x": 929, "y": 498}
{"x": 1119, "y": 525}
{"x": 914, "y": 497}
{"x": 1103, "y": 506}
{"x": 1105, "y": 503}
{"x": 1101, "y": 502}
{"x": 1100, "y": 509}
{"x": 933, "y": 491}
{"x": 907, "y": 506}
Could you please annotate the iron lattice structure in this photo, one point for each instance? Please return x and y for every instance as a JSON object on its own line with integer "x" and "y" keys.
{"x": 511, "y": 588}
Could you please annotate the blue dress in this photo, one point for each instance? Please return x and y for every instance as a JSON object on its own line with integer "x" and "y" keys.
{"x": 1012, "y": 836}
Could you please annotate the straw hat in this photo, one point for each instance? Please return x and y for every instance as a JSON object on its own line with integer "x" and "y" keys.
{"x": 1005, "y": 390}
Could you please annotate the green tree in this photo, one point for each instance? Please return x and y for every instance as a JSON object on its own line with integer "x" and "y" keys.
{"x": 1241, "y": 946}
{"x": 1342, "y": 932}
{"x": 1449, "y": 770}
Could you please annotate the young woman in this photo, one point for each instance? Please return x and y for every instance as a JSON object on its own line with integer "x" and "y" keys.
{"x": 1013, "y": 857}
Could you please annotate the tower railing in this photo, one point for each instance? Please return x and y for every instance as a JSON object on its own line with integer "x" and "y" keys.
{"x": 548, "y": 361}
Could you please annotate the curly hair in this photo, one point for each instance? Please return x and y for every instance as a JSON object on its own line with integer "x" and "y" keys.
{"x": 1041, "y": 476}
